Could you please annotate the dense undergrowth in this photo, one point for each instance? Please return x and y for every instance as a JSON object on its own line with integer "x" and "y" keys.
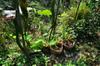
{"x": 52, "y": 33}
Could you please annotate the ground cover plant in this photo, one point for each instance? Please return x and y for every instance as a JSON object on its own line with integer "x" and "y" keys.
{"x": 50, "y": 33}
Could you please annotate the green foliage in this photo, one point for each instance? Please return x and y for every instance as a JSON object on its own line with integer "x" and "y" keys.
{"x": 69, "y": 63}
{"x": 67, "y": 19}
{"x": 36, "y": 5}
{"x": 84, "y": 9}
{"x": 57, "y": 64}
{"x": 38, "y": 44}
{"x": 52, "y": 42}
{"x": 81, "y": 61}
{"x": 69, "y": 15}
{"x": 12, "y": 36}
{"x": 2, "y": 40}
{"x": 44, "y": 12}
{"x": 5, "y": 3}
{"x": 70, "y": 25}
{"x": 28, "y": 37}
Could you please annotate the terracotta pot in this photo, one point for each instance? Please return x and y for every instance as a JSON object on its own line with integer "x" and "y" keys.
{"x": 68, "y": 44}
{"x": 57, "y": 49}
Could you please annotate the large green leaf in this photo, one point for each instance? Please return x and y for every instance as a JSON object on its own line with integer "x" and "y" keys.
{"x": 38, "y": 44}
{"x": 44, "y": 12}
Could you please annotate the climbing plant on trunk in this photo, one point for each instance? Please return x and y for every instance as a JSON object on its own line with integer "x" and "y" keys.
{"x": 20, "y": 23}
{"x": 54, "y": 10}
